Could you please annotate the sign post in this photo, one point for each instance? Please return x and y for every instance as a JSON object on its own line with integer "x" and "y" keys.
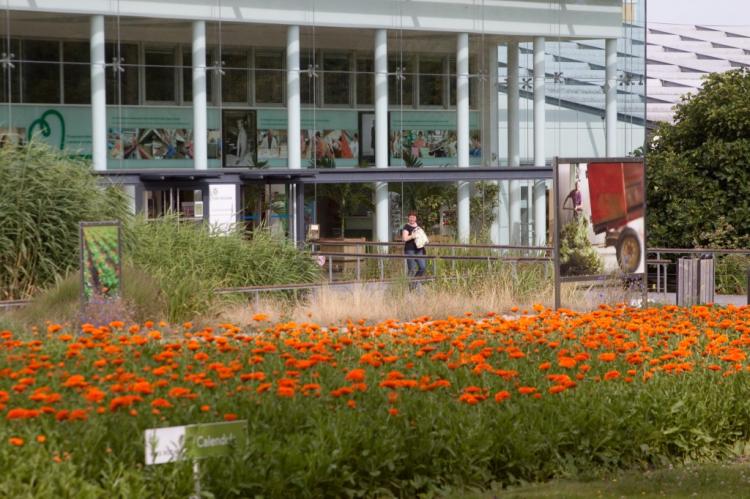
{"x": 195, "y": 442}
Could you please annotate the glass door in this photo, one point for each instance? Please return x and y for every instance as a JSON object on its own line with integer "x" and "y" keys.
{"x": 187, "y": 203}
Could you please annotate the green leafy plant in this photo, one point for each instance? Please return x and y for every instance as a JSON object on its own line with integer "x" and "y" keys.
{"x": 577, "y": 255}
{"x": 44, "y": 194}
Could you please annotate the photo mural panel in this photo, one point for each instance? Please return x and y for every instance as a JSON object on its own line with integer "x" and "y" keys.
{"x": 601, "y": 207}
{"x": 100, "y": 252}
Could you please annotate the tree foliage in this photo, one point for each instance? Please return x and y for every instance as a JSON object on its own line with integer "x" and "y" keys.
{"x": 699, "y": 168}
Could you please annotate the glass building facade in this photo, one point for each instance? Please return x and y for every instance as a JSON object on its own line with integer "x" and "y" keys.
{"x": 299, "y": 87}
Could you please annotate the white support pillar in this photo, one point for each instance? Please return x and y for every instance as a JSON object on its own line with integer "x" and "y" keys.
{"x": 462, "y": 135}
{"x": 98, "y": 95}
{"x": 491, "y": 136}
{"x": 200, "y": 113}
{"x": 294, "y": 120}
{"x": 514, "y": 144}
{"x": 381, "y": 134}
{"x": 293, "y": 98}
{"x": 540, "y": 200}
{"x": 610, "y": 90}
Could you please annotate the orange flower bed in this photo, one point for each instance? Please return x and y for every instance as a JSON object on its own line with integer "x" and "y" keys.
{"x": 392, "y": 372}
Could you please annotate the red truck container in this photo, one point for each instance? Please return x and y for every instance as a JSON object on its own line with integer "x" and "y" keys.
{"x": 616, "y": 191}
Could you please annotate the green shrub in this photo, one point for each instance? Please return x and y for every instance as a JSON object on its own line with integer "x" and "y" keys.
{"x": 43, "y": 196}
{"x": 731, "y": 274}
{"x": 577, "y": 255}
{"x": 189, "y": 262}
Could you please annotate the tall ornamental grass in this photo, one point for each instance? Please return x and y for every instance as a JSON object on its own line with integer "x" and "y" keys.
{"x": 44, "y": 194}
{"x": 189, "y": 262}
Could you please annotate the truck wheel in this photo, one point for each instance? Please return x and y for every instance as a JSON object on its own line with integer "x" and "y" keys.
{"x": 628, "y": 251}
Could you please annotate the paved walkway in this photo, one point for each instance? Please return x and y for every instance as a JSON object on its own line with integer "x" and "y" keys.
{"x": 671, "y": 298}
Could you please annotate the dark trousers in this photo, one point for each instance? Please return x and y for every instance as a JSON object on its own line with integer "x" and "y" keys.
{"x": 416, "y": 266}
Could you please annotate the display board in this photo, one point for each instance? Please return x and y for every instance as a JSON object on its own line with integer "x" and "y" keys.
{"x": 101, "y": 266}
{"x": 599, "y": 218}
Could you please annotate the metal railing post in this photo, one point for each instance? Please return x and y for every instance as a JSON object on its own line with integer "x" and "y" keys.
{"x": 358, "y": 269}
{"x": 330, "y": 269}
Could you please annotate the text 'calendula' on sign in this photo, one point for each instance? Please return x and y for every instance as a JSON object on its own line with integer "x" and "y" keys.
{"x": 176, "y": 443}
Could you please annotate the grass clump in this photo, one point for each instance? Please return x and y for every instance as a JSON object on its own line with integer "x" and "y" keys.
{"x": 44, "y": 194}
{"x": 189, "y": 262}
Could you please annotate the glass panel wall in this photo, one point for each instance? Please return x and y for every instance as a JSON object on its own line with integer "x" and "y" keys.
{"x": 149, "y": 94}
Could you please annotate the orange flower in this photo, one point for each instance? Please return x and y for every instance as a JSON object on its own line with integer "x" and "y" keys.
{"x": 567, "y": 362}
{"x": 230, "y": 416}
{"x": 607, "y": 357}
{"x": 612, "y": 374}
{"x": 41, "y": 439}
{"x": 75, "y": 381}
{"x": 16, "y": 441}
{"x": 352, "y": 404}
{"x": 95, "y": 395}
{"x": 526, "y": 390}
{"x": 260, "y": 317}
{"x": 393, "y": 411}
{"x": 357, "y": 375}
{"x": 502, "y": 395}
{"x": 160, "y": 402}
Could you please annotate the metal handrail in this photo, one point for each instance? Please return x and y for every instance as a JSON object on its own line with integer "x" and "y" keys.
{"x": 334, "y": 242}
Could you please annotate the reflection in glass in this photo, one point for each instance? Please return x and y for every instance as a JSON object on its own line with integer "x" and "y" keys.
{"x": 11, "y": 83}
{"x": 76, "y": 73}
{"x": 41, "y": 80}
{"x": 401, "y": 80}
{"x": 187, "y": 76}
{"x": 431, "y": 81}
{"x": 122, "y": 73}
{"x": 235, "y": 80}
{"x": 270, "y": 78}
{"x": 365, "y": 80}
{"x": 160, "y": 74}
{"x": 337, "y": 78}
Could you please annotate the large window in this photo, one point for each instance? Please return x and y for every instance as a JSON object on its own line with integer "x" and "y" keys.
{"x": 308, "y": 80}
{"x": 235, "y": 82}
{"x": 336, "y": 78}
{"x": 122, "y": 73}
{"x": 365, "y": 80}
{"x": 270, "y": 77}
{"x": 76, "y": 73}
{"x": 187, "y": 76}
{"x": 401, "y": 80}
{"x": 159, "y": 74}
{"x": 40, "y": 71}
{"x": 431, "y": 80}
{"x": 11, "y": 84}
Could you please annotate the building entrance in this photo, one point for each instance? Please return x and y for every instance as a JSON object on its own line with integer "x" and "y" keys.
{"x": 186, "y": 202}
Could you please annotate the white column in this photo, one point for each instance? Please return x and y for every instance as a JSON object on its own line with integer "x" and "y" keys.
{"x": 98, "y": 95}
{"x": 462, "y": 135}
{"x": 292, "y": 98}
{"x": 200, "y": 117}
{"x": 540, "y": 204}
{"x": 610, "y": 90}
{"x": 491, "y": 135}
{"x": 381, "y": 133}
{"x": 514, "y": 144}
